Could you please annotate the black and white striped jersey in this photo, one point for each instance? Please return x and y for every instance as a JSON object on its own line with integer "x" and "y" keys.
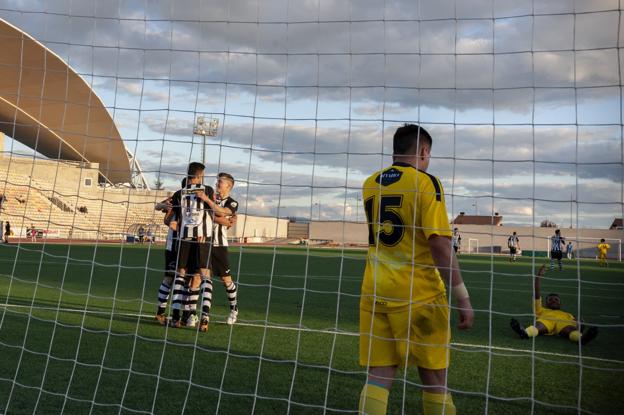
{"x": 513, "y": 241}
{"x": 557, "y": 243}
{"x": 456, "y": 240}
{"x": 169, "y": 242}
{"x": 220, "y": 231}
{"x": 193, "y": 214}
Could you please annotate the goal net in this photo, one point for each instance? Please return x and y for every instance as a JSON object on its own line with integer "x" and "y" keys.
{"x": 103, "y": 105}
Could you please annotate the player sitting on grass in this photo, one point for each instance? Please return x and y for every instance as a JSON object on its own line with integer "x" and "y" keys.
{"x": 552, "y": 320}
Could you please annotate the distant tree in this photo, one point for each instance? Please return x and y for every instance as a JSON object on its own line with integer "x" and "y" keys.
{"x": 158, "y": 184}
{"x": 547, "y": 224}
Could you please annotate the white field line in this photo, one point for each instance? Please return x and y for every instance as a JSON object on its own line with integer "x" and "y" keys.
{"x": 322, "y": 331}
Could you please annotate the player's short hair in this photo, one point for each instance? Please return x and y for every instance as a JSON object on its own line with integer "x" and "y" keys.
{"x": 194, "y": 168}
{"x": 409, "y": 137}
{"x": 557, "y": 231}
{"x": 227, "y": 176}
{"x": 184, "y": 183}
{"x": 514, "y": 232}
{"x": 553, "y": 295}
{"x": 602, "y": 240}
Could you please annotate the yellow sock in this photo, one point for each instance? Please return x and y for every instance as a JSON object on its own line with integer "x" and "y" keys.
{"x": 575, "y": 336}
{"x": 532, "y": 331}
{"x": 373, "y": 400}
{"x": 438, "y": 404}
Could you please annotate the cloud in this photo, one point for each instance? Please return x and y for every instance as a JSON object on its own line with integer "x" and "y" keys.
{"x": 319, "y": 98}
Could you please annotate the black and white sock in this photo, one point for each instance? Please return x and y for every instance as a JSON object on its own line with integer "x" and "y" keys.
{"x": 191, "y": 301}
{"x": 206, "y": 288}
{"x": 231, "y": 294}
{"x": 163, "y": 297}
{"x": 179, "y": 294}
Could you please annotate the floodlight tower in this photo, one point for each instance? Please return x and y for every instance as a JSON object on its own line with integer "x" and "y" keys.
{"x": 205, "y": 126}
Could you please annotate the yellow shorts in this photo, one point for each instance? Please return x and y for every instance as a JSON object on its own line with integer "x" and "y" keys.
{"x": 555, "y": 326}
{"x": 426, "y": 327}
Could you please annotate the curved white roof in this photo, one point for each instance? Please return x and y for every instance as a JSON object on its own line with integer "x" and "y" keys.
{"x": 47, "y": 106}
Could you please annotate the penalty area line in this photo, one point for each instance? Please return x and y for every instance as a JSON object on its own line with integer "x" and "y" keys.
{"x": 320, "y": 331}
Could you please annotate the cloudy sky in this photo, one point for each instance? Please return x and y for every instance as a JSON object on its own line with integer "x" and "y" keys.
{"x": 523, "y": 98}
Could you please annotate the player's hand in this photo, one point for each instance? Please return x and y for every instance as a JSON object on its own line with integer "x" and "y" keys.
{"x": 233, "y": 220}
{"x": 466, "y": 314}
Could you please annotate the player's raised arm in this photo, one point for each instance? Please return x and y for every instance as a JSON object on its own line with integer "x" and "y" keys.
{"x": 537, "y": 281}
{"x": 446, "y": 262}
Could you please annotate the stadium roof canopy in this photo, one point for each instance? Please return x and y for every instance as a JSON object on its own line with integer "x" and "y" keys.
{"x": 47, "y": 106}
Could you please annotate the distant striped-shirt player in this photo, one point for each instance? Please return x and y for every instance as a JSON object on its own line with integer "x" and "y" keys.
{"x": 513, "y": 243}
{"x": 219, "y": 256}
{"x": 557, "y": 246}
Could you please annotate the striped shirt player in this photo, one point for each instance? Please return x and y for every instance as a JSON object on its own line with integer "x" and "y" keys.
{"x": 170, "y": 258}
{"x": 193, "y": 212}
{"x": 226, "y": 207}
{"x": 513, "y": 243}
{"x": 557, "y": 246}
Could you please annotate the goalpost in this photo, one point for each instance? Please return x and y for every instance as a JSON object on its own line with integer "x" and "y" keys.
{"x": 299, "y": 101}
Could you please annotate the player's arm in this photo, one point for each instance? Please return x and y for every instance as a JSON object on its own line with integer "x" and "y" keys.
{"x": 537, "y": 282}
{"x": 170, "y": 220}
{"x": 446, "y": 262}
{"x": 209, "y": 200}
{"x": 164, "y": 205}
{"x": 434, "y": 221}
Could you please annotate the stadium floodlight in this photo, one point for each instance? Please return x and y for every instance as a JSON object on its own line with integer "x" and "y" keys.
{"x": 205, "y": 126}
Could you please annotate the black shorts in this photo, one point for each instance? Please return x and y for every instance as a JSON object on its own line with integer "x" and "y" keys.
{"x": 171, "y": 260}
{"x": 220, "y": 262}
{"x": 455, "y": 247}
{"x": 556, "y": 254}
{"x": 512, "y": 250}
{"x": 193, "y": 253}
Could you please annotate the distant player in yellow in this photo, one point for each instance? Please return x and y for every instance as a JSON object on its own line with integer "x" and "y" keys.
{"x": 603, "y": 249}
{"x": 404, "y": 312}
{"x": 551, "y": 320}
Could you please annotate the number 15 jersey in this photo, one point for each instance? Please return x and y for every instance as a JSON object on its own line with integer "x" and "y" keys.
{"x": 404, "y": 207}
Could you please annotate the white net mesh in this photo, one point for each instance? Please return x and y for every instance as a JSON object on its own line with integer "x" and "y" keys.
{"x": 103, "y": 105}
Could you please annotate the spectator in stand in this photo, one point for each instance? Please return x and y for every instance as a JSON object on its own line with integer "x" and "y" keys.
{"x": 141, "y": 234}
{"x": 7, "y": 232}
{"x": 33, "y": 233}
{"x": 2, "y": 200}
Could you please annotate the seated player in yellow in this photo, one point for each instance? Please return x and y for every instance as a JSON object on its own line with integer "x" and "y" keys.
{"x": 404, "y": 311}
{"x": 551, "y": 320}
{"x": 603, "y": 249}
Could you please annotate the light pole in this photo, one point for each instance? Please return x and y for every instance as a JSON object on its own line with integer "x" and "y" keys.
{"x": 319, "y": 209}
{"x": 205, "y": 127}
{"x": 476, "y": 206}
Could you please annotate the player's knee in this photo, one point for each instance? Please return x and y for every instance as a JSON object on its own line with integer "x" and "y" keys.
{"x": 195, "y": 281}
{"x": 226, "y": 281}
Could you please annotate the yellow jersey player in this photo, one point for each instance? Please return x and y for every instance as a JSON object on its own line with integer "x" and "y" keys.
{"x": 551, "y": 320}
{"x": 404, "y": 312}
{"x": 603, "y": 249}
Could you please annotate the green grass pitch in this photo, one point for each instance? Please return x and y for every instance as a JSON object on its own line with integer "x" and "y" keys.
{"x": 77, "y": 336}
